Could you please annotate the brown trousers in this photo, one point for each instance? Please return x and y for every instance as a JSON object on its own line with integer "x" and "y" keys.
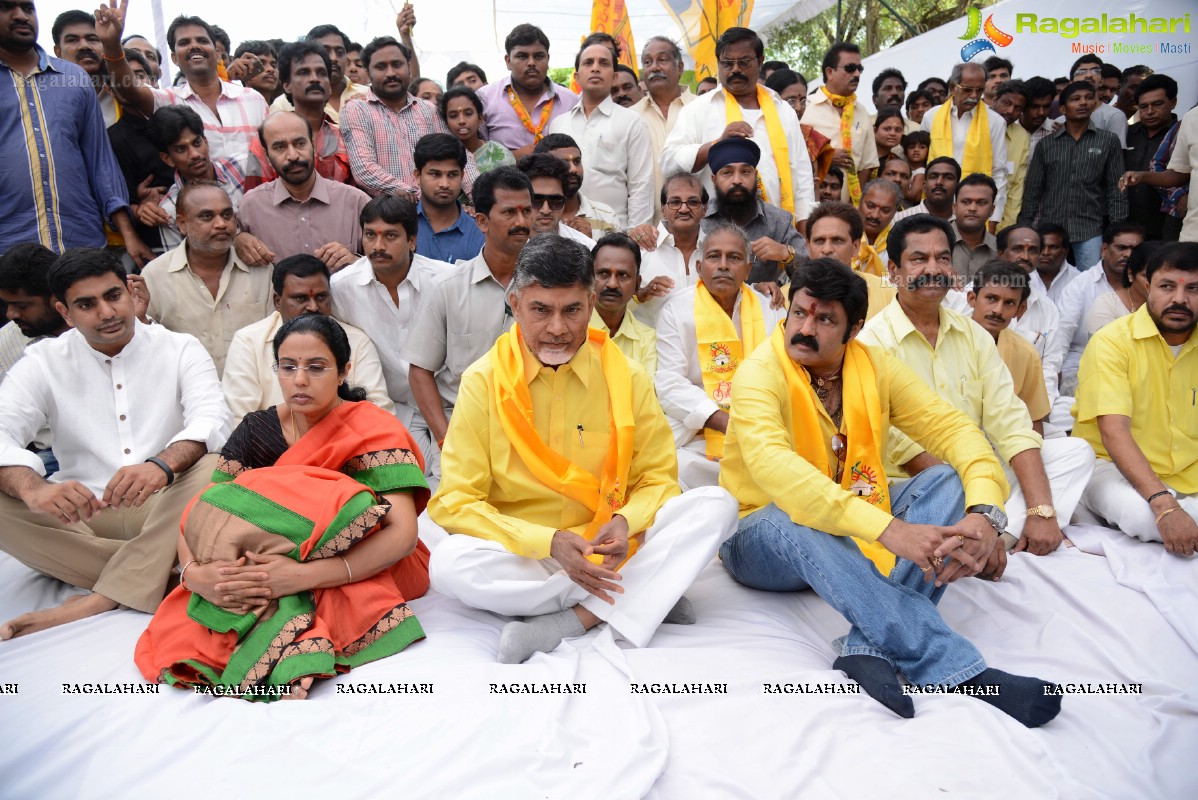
{"x": 124, "y": 554}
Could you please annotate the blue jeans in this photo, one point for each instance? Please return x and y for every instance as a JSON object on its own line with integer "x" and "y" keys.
{"x": 895, "y": 617}
{"x": 1087, "y": 253}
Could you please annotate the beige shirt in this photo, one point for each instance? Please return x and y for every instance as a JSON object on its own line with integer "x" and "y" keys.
{"x": 181, "y": 302}
{"x": 823, "y": 117}
{"x": 659, "y": 128}
{"x": 250, "y": 382}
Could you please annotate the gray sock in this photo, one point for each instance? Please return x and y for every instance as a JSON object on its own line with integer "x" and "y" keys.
{"x": 683, "y": 613}
{"x": 542, "y": 634}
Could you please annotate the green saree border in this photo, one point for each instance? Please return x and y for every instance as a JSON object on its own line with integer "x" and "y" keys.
{"x": 391, "y": 478}
{"x": 390, "y": 643}
{"x": 260, "y": 639}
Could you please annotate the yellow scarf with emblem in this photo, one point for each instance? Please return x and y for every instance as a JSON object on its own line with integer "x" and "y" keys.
{"x": 781, "y": 151}
{"x": 721, "y": 350}
{"x": 604, "y": 495}
{"x": 978, "y": 155}
{"x": 864, "y": 474}
{"x": 871, "y": 258}
{"x": 846, "y": 103}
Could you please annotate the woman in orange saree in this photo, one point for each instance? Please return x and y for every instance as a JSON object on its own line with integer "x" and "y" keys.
{"x": 299, "y": 560}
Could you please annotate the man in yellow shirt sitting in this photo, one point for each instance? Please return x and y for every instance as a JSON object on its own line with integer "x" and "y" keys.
{"x": 960, "y": 362}
{"x": 1136, "y": 398}
{"x": 617, "y": 278}
{"x": 811, "y": 414}
{"x": 558, "y": 466}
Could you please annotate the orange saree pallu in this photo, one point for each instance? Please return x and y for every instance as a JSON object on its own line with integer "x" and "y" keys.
{"x": 318, "y": 501}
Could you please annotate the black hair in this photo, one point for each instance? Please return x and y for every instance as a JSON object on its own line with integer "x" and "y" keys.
{"x": 629, "y": 70}
{"x": 454, "y": 92}
{"x": 556, "y": 141}
{"x": 1119, "y": 228}
{"x": 844, "y": 212}
{"x": 1006, "y": 275}
{"x": 1109, "y": 70}
{"x": 462, "y": 66}
{"x": 709, "y": 79}
{"x": 1038, "y": 87}
{"x": 1011, "y": 87}
{"x": 256, "y": 46}
{"x": 885, "y": 113}
{"x": 1137, "y": 262}
{"x": 599, "y": 38}
{"x": 618, "y": 239}
{"x": 168, "y": 123}
{"x": 333, "y": 335}
{"x": 524, "y": 35}
{"x": 829, "y": 280}
{"x": 945, "y": 160}
{"x": 923, "y": 85}
{"x": 832, "y": 57}
{"x": 182, "y": 21}
{"x": 1176, "y": 255}
{"x": 737, "y": 35}
{"x": 1073, "y": 88}
{"x": 504, "y": 177}
{"x": 301, "y": 265}
{"x": 918, "y": 94}
{"x": 782, "y": 79}
{"x": 353, "y": 47}
{"x": 544, "y": 165}
{"x": 139, "y": 59}
{"x": 916, "y": 137}
{"x": 1047, "y": 228}
{"x": 978, "y": 179}
{"x": 439, "y": 147}
{"x": 889, "y": 72}
{"x": 837, "y": 173}
{"x": 378, "y": 43}
{"x": 414, "y": 84}
{"x": 1157, "y": 81}
{"x": 321, "y": 31}
{"x": 691, "y": 178}
{"x": 774, "y": 66}
{"x": 1000, "y": 238}
{"x": 73, "y": 17}
{"x": 896, "y": 242}
{"x": 393, "y": 210}
{"x": 219, "y": 35}
{"x": 1143, "y": 70}
{"x": 295, "y": 52}
{"x": 552, "y": 262}
{"x": 997, "y": 62}
{"x": 23, "y": 269}
{"x": 1088, "y": 58}
{"x": 131, "y": 37}
{"x": 79, "y": 263}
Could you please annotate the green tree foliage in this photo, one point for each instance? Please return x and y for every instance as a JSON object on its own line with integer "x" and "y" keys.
{"x": 866, "y": 22}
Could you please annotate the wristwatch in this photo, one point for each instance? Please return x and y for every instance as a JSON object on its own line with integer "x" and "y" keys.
{"x": 1046, "y": 511}
{"x": 993, "y": 514}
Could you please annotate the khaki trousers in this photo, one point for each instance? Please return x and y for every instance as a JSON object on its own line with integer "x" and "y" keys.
{"x": 125, "y": 555}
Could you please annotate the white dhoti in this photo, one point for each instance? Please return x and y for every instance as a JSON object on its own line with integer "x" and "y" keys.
{"x": 695, "y": 469}
{"x": 1068, "y": 463}
{"x": 1114, "y": 502}
{"x": 684, "y": 537}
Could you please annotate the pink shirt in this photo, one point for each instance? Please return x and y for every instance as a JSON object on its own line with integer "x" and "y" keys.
{"x": 503, "y": 124}
{"x": 241, "y": 111}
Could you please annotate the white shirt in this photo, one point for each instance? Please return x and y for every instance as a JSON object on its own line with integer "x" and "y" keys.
{"x": 359, "y": 299}
{"x": 679, "y": 378}
{"x": 110, "y": 412}
{"x": 1064, "y": 277}
{"x": 666, "y": 261}
{"x": 1065, "y": 348}
{"x": 998, "y": 145}
{"x": 570, "y": 233}
{"x": 704, "y": 120}
{"x": 250, "y": 382}
{"x": 617, "y": 156}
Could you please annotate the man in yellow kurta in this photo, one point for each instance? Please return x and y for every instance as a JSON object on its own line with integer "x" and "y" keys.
{"x": 617, "y": 278}
{"x": 558, "y": 466}
{"x": 811, "y": 414}
{"x": 1136, "y": 400}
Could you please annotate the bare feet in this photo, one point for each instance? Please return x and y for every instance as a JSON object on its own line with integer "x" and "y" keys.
{"x": 73, "y": 608}
{"x": 299, "y": 690}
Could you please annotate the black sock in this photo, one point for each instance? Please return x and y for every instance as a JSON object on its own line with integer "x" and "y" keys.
{"x": 879, "y": 680}
{"x": 1021, "y": 697}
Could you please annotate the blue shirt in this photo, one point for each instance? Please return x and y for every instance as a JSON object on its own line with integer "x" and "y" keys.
{"x": 461, "y": 241}
{"x": 59, "y": 179}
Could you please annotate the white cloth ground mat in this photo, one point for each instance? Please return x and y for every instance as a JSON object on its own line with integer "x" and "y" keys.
{"x": 1111, "y": 611}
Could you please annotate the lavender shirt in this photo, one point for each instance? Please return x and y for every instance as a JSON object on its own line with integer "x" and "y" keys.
{"x": 503, "y": 125}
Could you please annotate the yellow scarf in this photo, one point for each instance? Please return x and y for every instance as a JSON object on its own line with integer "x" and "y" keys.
{"x": 721, "y": 350}
{"x": 846, "y": 105}
{"x": 863, "y": 473}
{"x": 871, "y": 258}
{"x": 978, "y": 155}
{"x": 513, "y": 402}
{"x": 773, "y": 128}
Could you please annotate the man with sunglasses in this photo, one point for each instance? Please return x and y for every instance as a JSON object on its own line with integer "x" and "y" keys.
{"x": 549, "y": 176}
{"x": 740, "y": 108}
{"x": 812, "y": 411}
{"x": 836, "y": 112}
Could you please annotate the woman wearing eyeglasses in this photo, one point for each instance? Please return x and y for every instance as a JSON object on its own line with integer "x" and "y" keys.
{"x": 298, "y": 561}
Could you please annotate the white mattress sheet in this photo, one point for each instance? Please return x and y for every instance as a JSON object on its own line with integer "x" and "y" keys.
{"x": 1112, "y": 610}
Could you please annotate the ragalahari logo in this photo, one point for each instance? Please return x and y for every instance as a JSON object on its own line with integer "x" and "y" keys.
{"x": 993, "y": 36}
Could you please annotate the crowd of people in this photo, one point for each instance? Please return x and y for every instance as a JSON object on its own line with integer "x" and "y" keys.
{"x": 263, "y": 318}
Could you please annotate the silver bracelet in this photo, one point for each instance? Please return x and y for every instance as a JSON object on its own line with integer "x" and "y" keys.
{"x": 348, "y": 571}
{"x": 183, "y": 571}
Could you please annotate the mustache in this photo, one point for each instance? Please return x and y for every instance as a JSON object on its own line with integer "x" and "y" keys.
{"x": 1179, "y": 308}
{"x": 806, "y": 341}
{"x": 518, "y": 231}
{"x": 921, "y": 281}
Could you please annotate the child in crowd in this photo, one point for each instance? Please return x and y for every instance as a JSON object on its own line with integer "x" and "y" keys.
{"x": 915, "y": 148}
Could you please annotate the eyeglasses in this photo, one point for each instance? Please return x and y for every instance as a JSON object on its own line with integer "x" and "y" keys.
{"x": 840, "y": 449}
{"x": 1087, "y": 71}
{"x": 970, "y": 91}
{"x": 739, "y": 63}
{"x": 675, "y": 203}
{"x": 851, "y": 68}
{"x": 556, "y": 201}
{"x": 289, "y": 371}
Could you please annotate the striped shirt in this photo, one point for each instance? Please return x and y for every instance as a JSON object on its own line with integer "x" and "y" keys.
{"x": 60, "y": 178}
{"x": 1075, "y": 183}
{"x": 381, "y": 142}
{"x": 240, "y": 111}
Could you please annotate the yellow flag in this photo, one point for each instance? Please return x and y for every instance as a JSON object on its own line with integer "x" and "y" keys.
{"x": 701, "y": 23}
{"x": 611, "y": 16}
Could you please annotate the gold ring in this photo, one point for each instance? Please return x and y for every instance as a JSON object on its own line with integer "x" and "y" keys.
{"x": 962, "y": 538}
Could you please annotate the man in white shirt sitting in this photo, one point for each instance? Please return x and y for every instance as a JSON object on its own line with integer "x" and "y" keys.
{"x": 670, "y": 255}
{"x": 1053, "y": 272}
{"x": 301, "y": 286}
{"x": 133, "y": 410}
